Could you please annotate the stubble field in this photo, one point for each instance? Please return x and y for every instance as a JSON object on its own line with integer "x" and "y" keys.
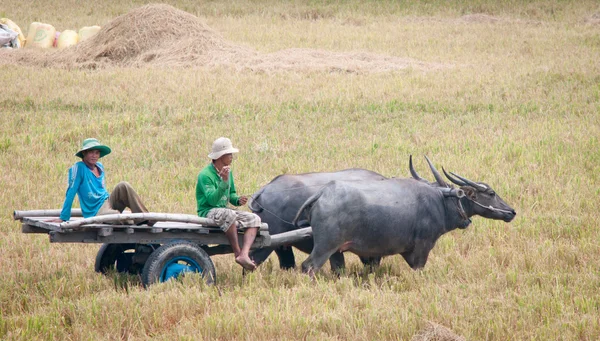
{"x": 502, "y": 92}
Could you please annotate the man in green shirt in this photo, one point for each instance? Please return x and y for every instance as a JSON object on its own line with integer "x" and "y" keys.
{"x": 214, "y": 189}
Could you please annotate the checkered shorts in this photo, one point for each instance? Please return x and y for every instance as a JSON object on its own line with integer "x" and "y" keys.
{"x": 224, "y": 217}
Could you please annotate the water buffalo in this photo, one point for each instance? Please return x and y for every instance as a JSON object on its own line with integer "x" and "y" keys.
{"x": 480, "y": 199}
{"x": 381, "y": 218}
{"x": 278, "y": 202}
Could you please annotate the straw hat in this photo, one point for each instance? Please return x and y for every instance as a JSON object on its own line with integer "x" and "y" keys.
{"x": 93, "y": 144}
{"x": 220, "y": 147}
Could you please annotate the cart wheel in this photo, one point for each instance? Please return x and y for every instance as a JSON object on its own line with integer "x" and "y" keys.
{"x": 128, "y": 258}
{"x": 175, "y": 259}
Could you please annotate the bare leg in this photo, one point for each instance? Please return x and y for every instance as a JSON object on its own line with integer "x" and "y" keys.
{"x": 232, "y": 236}
{"x": 241, "y": 255}
{"x": 243, "y": 258}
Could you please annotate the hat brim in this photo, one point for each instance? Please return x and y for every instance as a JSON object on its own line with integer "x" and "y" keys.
{"x": 216, "y": 156}
{"x": 104, "y": 150}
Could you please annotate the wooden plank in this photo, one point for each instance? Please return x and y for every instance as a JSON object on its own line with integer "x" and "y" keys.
{"x": 48, "y": 226}
{"x": 41, "y": 223}
{"x": 105, "y": 231}
{"x": 290, "y": 237}
{"x": 164, "y": 226}
{"x": 161, "y": 218}
{"x": 182, "y": 218}
{"x": 121, "y": 237}
{"x": 217, "y": 249}
{"x": 25, "y": 228}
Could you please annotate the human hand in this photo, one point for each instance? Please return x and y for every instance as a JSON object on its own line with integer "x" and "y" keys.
{"x": 242, "y": 200}
{"x": 224, "y": 173}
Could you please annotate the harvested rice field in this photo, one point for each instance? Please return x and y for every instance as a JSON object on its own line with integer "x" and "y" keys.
{"x": 505, "y": 93}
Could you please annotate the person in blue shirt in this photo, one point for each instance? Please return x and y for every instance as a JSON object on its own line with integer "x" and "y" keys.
{"x": 87, "y": 181}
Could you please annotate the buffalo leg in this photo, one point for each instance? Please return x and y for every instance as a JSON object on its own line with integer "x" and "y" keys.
{"x": 417, "y": 258}
{"x": 260, "y": 255}
{"x": 286, "y": 257}
{"x": 337, "y": 262}
{"x": 318, "y": 257}
{"x": 370, "y": 262}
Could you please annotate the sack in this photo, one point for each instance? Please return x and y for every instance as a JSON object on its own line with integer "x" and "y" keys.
{"x": 88, "y": 32}
{"x": 8, "y": 37}
{"x": 67, "y": 38}
{"x": 16, "y": 28}
{"x": 43, "y": 36}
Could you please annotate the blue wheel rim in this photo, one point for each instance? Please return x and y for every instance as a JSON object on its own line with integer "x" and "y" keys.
{"x": 178, "y": 266}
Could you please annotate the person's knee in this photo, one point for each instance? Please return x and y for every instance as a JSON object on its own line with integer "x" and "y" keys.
{"x": 227, "y": 220}
{"x": 123, "y": 184}
{"x": 251, "y": 220}
{"x": 233, "y": 226}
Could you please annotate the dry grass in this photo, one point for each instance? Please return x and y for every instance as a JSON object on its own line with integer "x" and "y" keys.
{"x": 518, "y": 109}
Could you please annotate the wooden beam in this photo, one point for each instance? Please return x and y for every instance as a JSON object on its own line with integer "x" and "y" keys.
{"x": 217, "y": 249}
{"x": 48, "y": 226}
{"x": 145, "y": 237}
{"x": 18, "y": 215}
{"x": 25, "y": 228}
{"x": 181, "y": 218}
{"x": 290, "y": 237}
{"x": 105, "y": 231}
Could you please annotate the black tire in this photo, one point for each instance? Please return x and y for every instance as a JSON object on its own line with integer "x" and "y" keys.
{"x": 111, "y": 256}
{"x": 167, "y": 259}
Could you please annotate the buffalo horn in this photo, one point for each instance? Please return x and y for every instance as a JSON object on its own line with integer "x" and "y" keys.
{"x": 412, "y": 170}
{"x": 436, "y": 174}
{"x": 454, "y": 180}
{"x": 469, "y": 182}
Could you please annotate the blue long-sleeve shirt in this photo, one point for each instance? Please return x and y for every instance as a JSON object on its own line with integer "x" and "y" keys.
{"x": 90, "y": 189}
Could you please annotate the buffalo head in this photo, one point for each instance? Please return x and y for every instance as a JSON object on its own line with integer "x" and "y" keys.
{"x": 485, "y": 201}
{"x": 480, "y": 199}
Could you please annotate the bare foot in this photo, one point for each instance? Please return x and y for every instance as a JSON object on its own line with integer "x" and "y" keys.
{"x": 245, "y": 262}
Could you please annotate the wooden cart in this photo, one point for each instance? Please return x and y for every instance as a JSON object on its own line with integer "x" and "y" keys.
{"x": 176, "y": 244}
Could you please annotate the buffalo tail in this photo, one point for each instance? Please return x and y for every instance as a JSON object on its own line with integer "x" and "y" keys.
{"x": 307, "y": 206}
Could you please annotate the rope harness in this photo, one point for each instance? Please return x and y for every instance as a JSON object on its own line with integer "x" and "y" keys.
{"x": 461, "y": 210}
{"x": 273, "y": 214}
{"x": 491, "y": 208}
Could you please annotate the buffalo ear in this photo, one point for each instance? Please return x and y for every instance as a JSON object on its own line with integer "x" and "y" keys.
{"x": 470, "y": 192}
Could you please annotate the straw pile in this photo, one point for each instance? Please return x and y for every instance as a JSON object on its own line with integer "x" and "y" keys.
{"x": 594, "y": 19}
{"x": 436, "y": 332}
{"x": 162, "y": 36}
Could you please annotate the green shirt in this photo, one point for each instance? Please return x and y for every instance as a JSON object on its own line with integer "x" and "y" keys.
{"x": 213, "y": 192}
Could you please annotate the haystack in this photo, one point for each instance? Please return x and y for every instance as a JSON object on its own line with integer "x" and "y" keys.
{"x": 155, "y": 34}
{"x": 163, "y": 36}
{"x": 436, "y": 332}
